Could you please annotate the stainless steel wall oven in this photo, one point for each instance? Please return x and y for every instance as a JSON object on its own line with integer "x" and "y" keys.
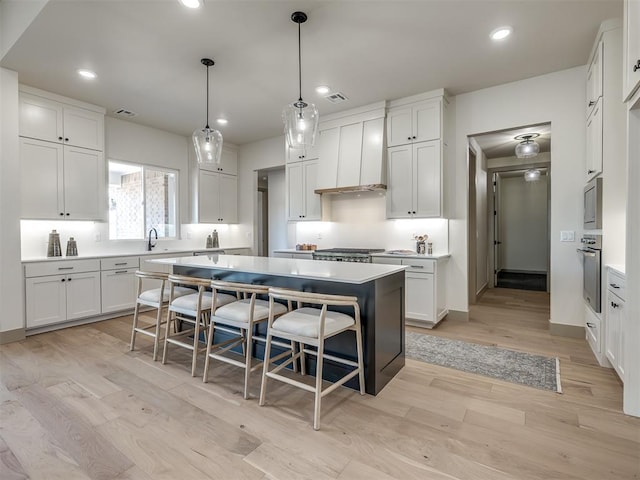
{"x": 592, "y": 264}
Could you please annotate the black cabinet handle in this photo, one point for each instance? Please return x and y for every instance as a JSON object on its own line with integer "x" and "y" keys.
{"x": 409, "y": 212}
{"x": 414, "y": 212}
{"x": 414, "y": 137}
{"x": 67, "y": 214}
{"x": 614, "y": 305}
{"x": 63, "y": 280}
{"x": 590, "y": 171}
{"x": 59, "y": 138}
{"x": 408, "y": 138}
{"x": 66, "y": 139}
{"x": 591, "y": 325}
{"x": 62, "y": 214}
{"x": 613, "y": 285}
{"x": 636, "y": 67}
{"x": 592, "y": 103}
{"x": 68, "y": 279}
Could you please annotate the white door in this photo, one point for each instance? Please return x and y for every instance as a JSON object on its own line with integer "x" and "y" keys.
{"x": 399, "y": 129}
{"x": 83, "y": 295}
{"x": 400, "y": 182}
{"x": 41, "y": 179}
{"x": 295, "y": 191}
{"x": 40, "y": 118}
{"x": 45, "y": 299}
{"x": 427, "y": 179}
{"x": 312, "y": 201}
{"x": 208, "y": 197}
{"x": 632, "y": 47}
{"x": 426, "y": 121}
{"x": 83, "y": 183}
{"x": 419, "y": 299}
{"x": 118, "y": 290}
{"x": 228, "y": 198}
{"x": 83, "y": 128}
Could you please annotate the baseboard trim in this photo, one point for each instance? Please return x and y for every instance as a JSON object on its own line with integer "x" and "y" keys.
{"x": 571, "y": 331}
{"x": 458, "y": 315}
{"x": 11, "y": 336}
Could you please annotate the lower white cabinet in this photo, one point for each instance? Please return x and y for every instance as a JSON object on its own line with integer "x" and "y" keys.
{"x": 118, "y": 278}
{"x": 425, "y": 303}
{"x": 57, "y": 292}
{"x": 616, "y": 321}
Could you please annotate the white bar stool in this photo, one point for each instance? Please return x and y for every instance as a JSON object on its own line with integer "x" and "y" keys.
{"x": 193, "y": 309}
{"x": 312, "y": 326}
{"x": 157, "y": 298}
{"x": 242, "y": 315}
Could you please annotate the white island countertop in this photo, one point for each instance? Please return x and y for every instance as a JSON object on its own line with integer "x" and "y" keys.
{"x": 344, "y": 272}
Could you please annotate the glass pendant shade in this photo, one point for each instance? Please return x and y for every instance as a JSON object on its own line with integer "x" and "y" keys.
{"x": 208, "y": 145}
{"x": 532, "y": 175}
{"x": 527, "y": 149}
{"x": 300, "y": 124}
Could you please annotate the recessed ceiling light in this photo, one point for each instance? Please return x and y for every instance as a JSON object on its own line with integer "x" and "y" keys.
{"x": 87, "y": 73}
{"x": 501, "y": 33}
{"x": 190, "y": 3}
{"x": 322, "y": 89}
{"x": 222, "y": 121}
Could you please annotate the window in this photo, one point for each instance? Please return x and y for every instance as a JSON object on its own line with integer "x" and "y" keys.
{"x": 141, "y": 198}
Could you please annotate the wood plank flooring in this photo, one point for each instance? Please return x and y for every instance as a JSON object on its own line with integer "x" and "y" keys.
{"x": 76, "y": 404}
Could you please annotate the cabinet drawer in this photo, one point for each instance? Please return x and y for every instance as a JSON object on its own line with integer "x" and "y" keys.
{"x": 593, "y": 332}
{"x": 61, "y": 267}
{"x": 419, "y": 265}
{"x": 617, "y": 284}
{"x": 119, "y": 263}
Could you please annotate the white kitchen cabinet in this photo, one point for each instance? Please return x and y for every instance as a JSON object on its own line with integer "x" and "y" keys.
{"x": 417, "y": 122}
{"x": 303, "y": 204}
{"x": 425, "y": 303}
{"x": 118, "y": 283}
{"x": 73, "y": 292}
{"x": 594, "y": 142}
{"x": 228, "y": 162}
{"x": 594, "y": 78}
{"x": 52, "y": 121}
{"x": 414, "y": 180}
{"x": 217, "y": 197}
{"x": 61, "y": 181}
{"x": 631, "y": 55}
{"x": 303, "y": 153}
{"x": 616, "y": 319}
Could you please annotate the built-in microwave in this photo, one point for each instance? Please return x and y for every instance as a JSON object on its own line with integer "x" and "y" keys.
{"x": 593, "y": 204}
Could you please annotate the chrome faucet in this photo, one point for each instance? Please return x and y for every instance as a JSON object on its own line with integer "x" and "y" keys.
{"x": 151, "y": 245}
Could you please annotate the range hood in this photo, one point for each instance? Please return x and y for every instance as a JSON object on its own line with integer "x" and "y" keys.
{"x": 355, "y": 188}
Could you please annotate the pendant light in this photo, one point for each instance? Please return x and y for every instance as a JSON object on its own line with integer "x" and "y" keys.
{"x": 532, "y": 175}
{"x": 300, "y": 118}
{"x": 207, "y": 141}
{"x": 527, "y": 148}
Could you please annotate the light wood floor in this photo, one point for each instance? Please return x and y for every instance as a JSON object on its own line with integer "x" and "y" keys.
{"x": 76, "y": 404}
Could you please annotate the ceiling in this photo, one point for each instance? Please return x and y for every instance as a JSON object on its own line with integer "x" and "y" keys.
{"x": 147, "y": 53}
{"x": 503, "y": 144}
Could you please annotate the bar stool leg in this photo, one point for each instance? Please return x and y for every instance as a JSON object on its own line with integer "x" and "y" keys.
{"x": 316, "y": 414}
{"x": 360, "y": 361}
{"x": 265, "y": 369}
{"x": 303, "y": 368}
{"x": 248, "y": 350}
{"x": 170, "y": 319}
{"x": 156, "y": 341}
{"x": 135, "y": 325}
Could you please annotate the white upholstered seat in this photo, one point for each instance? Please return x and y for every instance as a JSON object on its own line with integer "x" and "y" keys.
{"x": 239, "y": 311}
{"x": 311, "y": 326}
{"x": 190, "y": 302}
{"x": 153, "y": 295}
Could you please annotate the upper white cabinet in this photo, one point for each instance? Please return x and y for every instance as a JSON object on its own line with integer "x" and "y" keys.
{"x": 594, "y": 78}
{"x": 414, "y": 181}
{"x": 303, "y": 204}
{"x": 214, "y": 189}
{"x": 631, "y": 58}
{"x": 228, "y": 163}
{"x": 594, "y": 141}
{"x": 414, "y": 123}
{"x": 303, "y": 153}
{"x": 53, "y": 121}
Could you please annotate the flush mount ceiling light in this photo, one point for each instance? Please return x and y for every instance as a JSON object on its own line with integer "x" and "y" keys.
{"x": 87, "y": 73}
{"x": 207, "y": 141}
{"x": 300, "y": 118}
{"x": 501, "y": 33}
{"x": 191, "y": 3}
{"x": 527, "y": 148}
{"x": 532, "y": 175}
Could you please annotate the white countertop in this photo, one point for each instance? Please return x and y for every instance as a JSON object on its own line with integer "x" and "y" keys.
{"x": 175, "y": 251}
{"x": 345, "y": 272}
{"x": 293, "y": 250}
{"x": 411, "y": 255}
{"x": 617, "y": 268}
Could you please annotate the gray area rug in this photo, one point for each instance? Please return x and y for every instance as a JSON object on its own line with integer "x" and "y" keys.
{"x": 508, "y": 365}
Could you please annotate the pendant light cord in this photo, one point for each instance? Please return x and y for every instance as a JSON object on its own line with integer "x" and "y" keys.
{"x": 207, "y": 126}
{"x": 299, "y": 66}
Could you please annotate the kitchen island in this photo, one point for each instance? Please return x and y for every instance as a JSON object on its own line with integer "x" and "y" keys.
{"x": 379, "y": 289}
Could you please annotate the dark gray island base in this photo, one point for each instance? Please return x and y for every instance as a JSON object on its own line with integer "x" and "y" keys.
{"x": 382, "y": 314}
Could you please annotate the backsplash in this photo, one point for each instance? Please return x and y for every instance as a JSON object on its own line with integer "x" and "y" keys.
{"x": 92, "y": 238}
{"x": 359, "y": 221}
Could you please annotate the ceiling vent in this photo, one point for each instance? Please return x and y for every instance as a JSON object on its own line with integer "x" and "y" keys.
{"x": 336, "y": 97}
{"x": 123, "y": 112}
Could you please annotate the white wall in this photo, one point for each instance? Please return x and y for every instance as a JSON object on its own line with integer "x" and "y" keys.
{"x": 557, "y": 98}
{"x": 15, "y": 17}
{"x": 523, "y": 224}
{"x": 277, "y": 211}
{"x": 11, "y": 285}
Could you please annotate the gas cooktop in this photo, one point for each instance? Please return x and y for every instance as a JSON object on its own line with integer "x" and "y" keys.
{"x": 351, "y": 250}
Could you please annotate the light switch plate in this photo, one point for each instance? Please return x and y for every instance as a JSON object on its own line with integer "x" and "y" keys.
{"x": 567, "y": 236}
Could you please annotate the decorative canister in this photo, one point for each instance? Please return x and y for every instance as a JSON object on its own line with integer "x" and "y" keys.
{"x": 209, "y": 243}
{"x": 215, "y": 240}
{"x": 72, "y": 248}
{"x": 420, "y": 248}
{"x": 53, "y": 248}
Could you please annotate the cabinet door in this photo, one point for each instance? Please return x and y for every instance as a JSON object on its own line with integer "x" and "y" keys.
{"x": 594, "y": 142}
{"x": 612, "y": 329}
{"x": 622, "y": 326}
{"x": 228, "y": 198}
{"x": 372, "y": 169}
{"x": 295, "y": 154}
{"x": 426, "y": 178}
{"x": 419, "y": 299}
{"x": 83, "y": 128}
{"x": 312, "y": 201}
{"x": 83, "y": 295}
{"x": 208, "y": 197}
{"x": 399, "y": 182}
{"x": 631, "y": 58}
{"x": 594, "y": 78}
{"x": 426, "y": 121}
{"x": 228, "y": 162}
{"x": 40, "y": 118}
{"x": 399, "y": 126}
{"x": 328, "y": 151}
{"x": 349, "y": 155}
{"x": 83, "y": 184}
{"x": 41, "y": 179}
{"x": 295, "y": 191}
{"x": 45, "y": 300}
{"x": 118, "y": 290}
